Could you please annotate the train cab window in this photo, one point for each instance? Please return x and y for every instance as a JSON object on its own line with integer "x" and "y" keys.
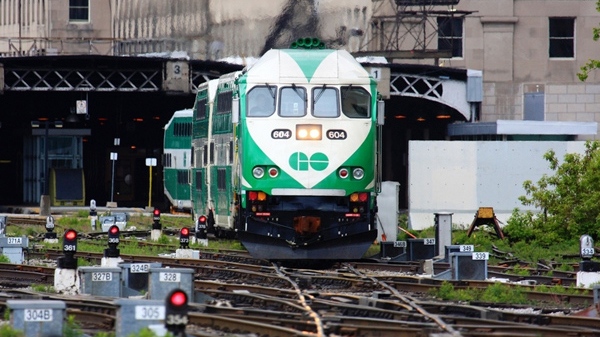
{"x": 292, "y": 102}
{"x": 325, "y": 102}
{"x": 356, "y": 102}
{"x": 261, "y": 102}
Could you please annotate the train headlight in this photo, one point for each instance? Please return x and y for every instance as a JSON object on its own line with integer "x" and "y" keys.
{"x": 258, "y": 172}
{"x": 308, "y": 132}
{"x": 358, "y": 173}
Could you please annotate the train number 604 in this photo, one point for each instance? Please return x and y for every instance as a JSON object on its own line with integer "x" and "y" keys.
{"x": 336, "y": 134}
{"x": 281, "y": 134}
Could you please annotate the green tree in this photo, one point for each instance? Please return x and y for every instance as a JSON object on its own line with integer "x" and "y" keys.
{"x": 591, "y": 64}
{"x": 568, "y": 200}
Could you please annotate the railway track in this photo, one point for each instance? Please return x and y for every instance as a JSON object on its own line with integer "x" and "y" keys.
{"x": 245, "y": 295}
{"x": 239, "y": 294}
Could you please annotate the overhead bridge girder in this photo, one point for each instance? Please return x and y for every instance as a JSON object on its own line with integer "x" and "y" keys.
{"x": 446, "y": 91}
{"x": 82, "y": 80}
{"x": 122, "y": 80}
{"x": 108, "y": 74}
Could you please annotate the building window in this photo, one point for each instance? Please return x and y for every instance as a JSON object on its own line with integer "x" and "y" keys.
{"x": 450, "y": 35}
{"x": 562, "y": 37}
{"x": 79, "y": 11}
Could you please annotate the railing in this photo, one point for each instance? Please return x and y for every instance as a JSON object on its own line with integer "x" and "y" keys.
{"x": 25, "y": 46}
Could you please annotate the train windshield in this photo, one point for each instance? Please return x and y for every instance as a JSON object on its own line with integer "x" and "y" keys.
{"x": 293, "y": 102}
{"x": 325, "y": 102}
{"x": 261, "y": 101}
{"x": 356, "y": 102}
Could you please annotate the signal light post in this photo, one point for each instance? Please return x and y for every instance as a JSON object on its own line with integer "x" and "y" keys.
{"x": 112, "y": 253}
{"x": 65, "y": 275}
{"x": 184, "y": 238}
{"x": 176, "y": 315}
{"x": 113, "y": 242}
{"x": 201, "y": 230}
{"x": 156, "y": 226}
{"x": 68, "y": 261}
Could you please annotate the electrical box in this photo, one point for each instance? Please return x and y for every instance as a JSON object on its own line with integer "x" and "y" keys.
{"x": 467, "y": 266}
{"x": 163, "y": 280}
{"x": 100, "y": 281}
{"x": 37, "y": 317}
{"x": 135, "y": 314}
{"x": 134, "y": 277}
{"x": 421, "y": 249}
{"x": 12, "y": 247}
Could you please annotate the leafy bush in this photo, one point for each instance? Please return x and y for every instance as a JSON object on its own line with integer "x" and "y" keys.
{"x": 568, "y": 200}
{"x": 8, "y": 331}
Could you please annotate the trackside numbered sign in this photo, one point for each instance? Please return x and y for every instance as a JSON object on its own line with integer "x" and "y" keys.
{"x": 139, "y": 268}
{"x": 149, "y": 312}
{"x": 38, "y": 315}
{"x": 466, "y": 248}
{"x": 481, "y": 256}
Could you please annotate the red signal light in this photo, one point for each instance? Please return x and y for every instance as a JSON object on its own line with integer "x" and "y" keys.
{"x": 184, "y": 238}
{"x": 176, "y": 311}
{"x": 71, "y": 234}
{"x": 178, "y": 298}
{"x": 202, "y": 219}
{"x": 70, "y": 242}
{"x": 114, "y": 230}
{"x": 156, "y": 212}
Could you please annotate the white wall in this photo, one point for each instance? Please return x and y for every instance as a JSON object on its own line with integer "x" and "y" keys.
{"x": 461, "y": 176}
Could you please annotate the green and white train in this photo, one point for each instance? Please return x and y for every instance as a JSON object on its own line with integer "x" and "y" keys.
{"x": 177, "y": 160}
{"x": 286, "y": 155}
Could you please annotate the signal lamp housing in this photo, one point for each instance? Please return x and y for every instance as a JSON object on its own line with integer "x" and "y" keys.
{"x": 176, "y": 311}
{"x": 184, "y": 238}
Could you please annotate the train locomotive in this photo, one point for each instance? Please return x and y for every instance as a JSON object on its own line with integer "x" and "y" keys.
{"x": 176, "y": 160}
{"x": 286, "y": 155}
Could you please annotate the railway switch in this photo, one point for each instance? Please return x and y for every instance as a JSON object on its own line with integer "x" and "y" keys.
{"x": 68, "y": 261}
{"x": 176, "y": 316}
{"x": 184, "y": 238}
{"x": 93, "y": 214}
{"x": 113, "y": 242}
{"x": 93, "y": 211}
{"x": 50, "y": 228}
{"x": 586, "y": 245}
{"x": 589, "y": 269}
